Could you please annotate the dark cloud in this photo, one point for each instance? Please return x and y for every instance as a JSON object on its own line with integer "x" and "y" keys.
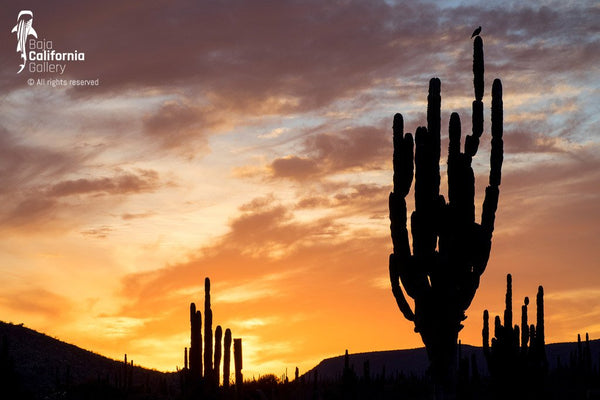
{"x": 28, "y": 212}
{"x": 185, "y": 127}
{"x": 124, "y": 183}
{"x": 37, "y": 195}
{"x": 356, "y": 200}
{"x": 246, "y": 54}
{"x": 294, "y": 167}
{"x": 324, "y": 154}
{"x": 225, "y": 61}
{"x": 23, "y": 165}
{"x": 527, "y": 142}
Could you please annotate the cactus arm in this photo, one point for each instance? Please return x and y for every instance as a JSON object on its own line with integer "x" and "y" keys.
{"x": 472, "y": 141}
{"x": 403, "y": 177}
{"x": 403, "y": 158}
{"x": 434, "y": 107}
{"x": 454, "y": 129}
{"x": 497, "y": 130}
{"x": 400, "y": 259}
{"x": 492, "y": 192}
{"x": 397, "y": 290}
{"x": 490, "y": 203}
{"x": 478, "y": 68}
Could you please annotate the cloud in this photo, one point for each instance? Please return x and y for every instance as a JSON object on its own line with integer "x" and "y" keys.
{"x": 99, "y": 233}
{"x": 182, "y": 126}
{"x": 520, "y": 141}
{"x": 29, "y": 164}
{"x": 264, "y": 237}
{"x": 130, "y": 216}
{"x": 349, "y": 200}
{"x": 124, "y": 183}
{"x": 37, "y": 302}
{"x": 325, "y": 154}
{"x": 294, "y": 167}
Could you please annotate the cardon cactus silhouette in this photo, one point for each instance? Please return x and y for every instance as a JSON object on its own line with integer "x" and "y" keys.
{"x": 449, "y": 249}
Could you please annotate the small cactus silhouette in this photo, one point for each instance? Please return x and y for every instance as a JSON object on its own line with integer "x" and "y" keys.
{"x": 512, "y": 364}
{"x": 449, "y": 249}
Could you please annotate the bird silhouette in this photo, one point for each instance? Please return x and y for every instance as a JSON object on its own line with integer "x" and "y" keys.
{"x": 476, "y": 32}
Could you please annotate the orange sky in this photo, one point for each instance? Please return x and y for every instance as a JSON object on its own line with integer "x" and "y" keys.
{"x": 252, "y": 144}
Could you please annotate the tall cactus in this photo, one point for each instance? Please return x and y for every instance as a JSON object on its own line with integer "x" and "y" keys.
{"x": 450, "y": 250}
{"x": 508, "y": 302}
{"x": 539, "y": 331}
{"x": 226, "y": 358}
{"x": 237, "y": 357}
{"x": 195, "y": 352}
{"x": 185, "y": 359}
{"x": 217, "y": 364}
{"x": 524, "y": 326}
{"x": 208, "y": 334}
{"x": 485, "y": 333}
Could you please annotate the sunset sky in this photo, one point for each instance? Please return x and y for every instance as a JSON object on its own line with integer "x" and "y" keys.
{"x": 250, "y": 142}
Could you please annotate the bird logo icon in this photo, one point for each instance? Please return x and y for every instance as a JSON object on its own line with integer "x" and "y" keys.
{"x": 23, "y": 29}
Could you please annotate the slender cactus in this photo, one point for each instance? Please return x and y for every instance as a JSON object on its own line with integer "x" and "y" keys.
{"x": 208, "y": 334}
{"x": 485, "y": 333}
{"x": 226, "y": 357}
{"x": 237, "y": 357}
{"x": 508, "y": 302}
{"x": 540, "y": 335}
{"x": 195, "y": 352}
{"x": 524, "y": 325}
{"x": 217, "y": 364}
{"x": 185, "y": 358}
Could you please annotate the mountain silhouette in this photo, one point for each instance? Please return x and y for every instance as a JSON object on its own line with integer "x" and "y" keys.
{"x": 414, "y": 362}
{"x": 37, "y": 366}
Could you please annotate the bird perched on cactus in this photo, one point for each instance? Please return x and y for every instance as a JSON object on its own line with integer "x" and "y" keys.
{"x": 476, "y": 32}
